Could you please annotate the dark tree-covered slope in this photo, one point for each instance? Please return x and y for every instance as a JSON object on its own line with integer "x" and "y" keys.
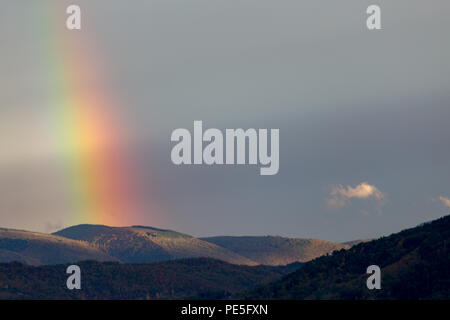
{"x": 176, "y": 279}
{"x": 415, "y": 264}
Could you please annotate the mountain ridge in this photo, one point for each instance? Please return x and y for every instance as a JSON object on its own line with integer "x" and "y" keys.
{"x": 414, "y": 265}
{"x": 148, "y": 244}
{"x": 34, "y": 248}
{"x": 276, "y": 250}
{"x": 144, "y": 244}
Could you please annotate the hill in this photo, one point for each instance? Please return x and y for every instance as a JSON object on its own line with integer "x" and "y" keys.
{"x": 270, "y": 250}
{"x": 414, "y": 265}
{"x": 139, "y": 244}
{"x": 178, "y": 279}
{"x": 36, "y": 248}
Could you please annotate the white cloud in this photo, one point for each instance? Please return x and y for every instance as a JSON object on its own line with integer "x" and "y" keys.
{"x": 340, "y": 196}
{"x": 445, "y": 201}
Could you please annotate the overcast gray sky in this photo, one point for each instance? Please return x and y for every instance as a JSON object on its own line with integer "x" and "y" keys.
{"x": 363, "y": 115}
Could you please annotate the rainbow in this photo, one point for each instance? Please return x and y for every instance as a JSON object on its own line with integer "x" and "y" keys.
{"x": 89, "y": 130}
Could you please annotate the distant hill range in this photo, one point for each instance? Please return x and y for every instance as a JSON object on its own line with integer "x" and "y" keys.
{"x": 139, "y": 244}
{"x": 415, "y": 264}
{"x": 37, "y": 248}
{"x": 274, "y": 251}
{"x": 146, "y": 244}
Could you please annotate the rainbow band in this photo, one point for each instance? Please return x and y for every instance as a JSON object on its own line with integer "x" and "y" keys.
{"x": 88, "y": 131}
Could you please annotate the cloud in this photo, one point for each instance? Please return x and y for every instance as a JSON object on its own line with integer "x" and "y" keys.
{"x": 340, "y": 196}
{"x": 445, "y": 201}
